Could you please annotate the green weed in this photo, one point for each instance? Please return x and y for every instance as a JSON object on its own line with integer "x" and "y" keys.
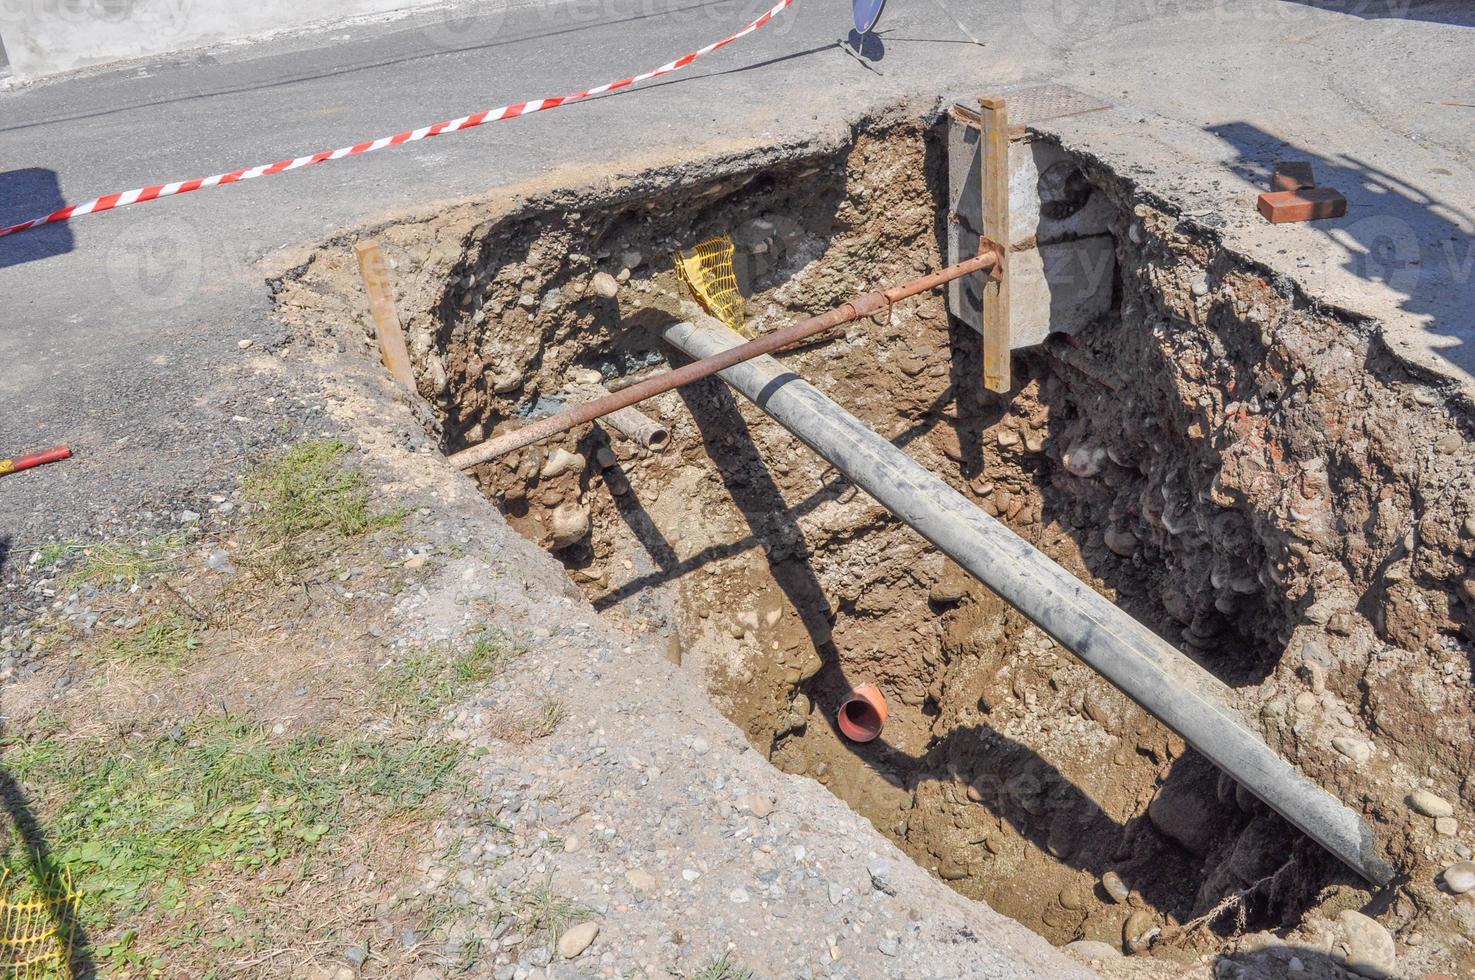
{"x": 53, "y": 553}
{"x": 136, "y": 820}
{"x": 310, "y": 487}
{"x": 549, "y": 716}
{"x": 163, "y": 639}
{"x": 545, "y": 911}
{"x": 425, "y": 681}
{"x": 125, "y": 562}
{"x": 722, "y": 968}
{"x": 309, "y": 492}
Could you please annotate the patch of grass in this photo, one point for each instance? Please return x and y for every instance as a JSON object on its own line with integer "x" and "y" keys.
{"x": 546, "y": 912}
{"x": 141, "y": 822}
{"x": 309, "y": 492}
{"x": 425, "y": 681}
{"x": 164, "y": 639}
{"x": 549, "y": 716}
{"x": 53, "y": 553}
{"x": 722, "y": 968}
{"x": 126, "y": 562}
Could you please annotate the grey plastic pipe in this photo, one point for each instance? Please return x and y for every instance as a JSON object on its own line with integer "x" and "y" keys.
{"x": 1174, "y": 689}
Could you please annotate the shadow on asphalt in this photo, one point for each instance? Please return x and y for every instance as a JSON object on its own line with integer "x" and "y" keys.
{"x": 25, "y": 194}
{"x": 1456, "y": 12}
{"x": 1394, "y": 232}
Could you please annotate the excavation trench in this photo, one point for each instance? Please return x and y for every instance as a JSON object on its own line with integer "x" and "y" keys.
{"x": 1222, "y": 458}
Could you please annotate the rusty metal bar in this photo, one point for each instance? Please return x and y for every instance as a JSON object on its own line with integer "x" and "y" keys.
{"x": 387, "y": 329}
{"x": 861, "y": 306}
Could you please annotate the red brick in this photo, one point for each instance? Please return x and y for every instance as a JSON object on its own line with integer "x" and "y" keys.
{"x": 1306, "y": 204}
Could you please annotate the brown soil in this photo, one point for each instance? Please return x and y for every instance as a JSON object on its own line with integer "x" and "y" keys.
{"x": 1254, "y": 477}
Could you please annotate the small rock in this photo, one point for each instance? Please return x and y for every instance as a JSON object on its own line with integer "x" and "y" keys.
{"x": 631, "y": 259}
{"x": 1139, "y": 931}
{"x": 759, "y": 805}
{"x": 570, "y": 523}
{"x": 1460, "y": 877}
{"x": 1186, "y": 810}
{"x": 1122, "y": 543}
{"x": 1112, "y": 884}
{"x": 189, "y": 517}
{"x": 1084, "y": 461}
{"x": 1430, "y": 805}
{"x": 880, "y": 872}
{"x": 219, "y": 562}
{"x": 1093, "y": 950}
{"x": 504, "y": 381}
{"x": 1365, "y": 948}
{"x": 246, "y": 344}
{"x": 1353, "y": 748}
{"x": 561, "y": 461}
{"x": 890, "y": 946}
{"x": 574, "y": 941}
{"x": 1446, "y": 826}
{"x": 1201, "y": 288}
{"x": 640, "y": 879}
{"x": 605, "y": 285}
{"x": 739, "y": 896}
{"x": 948, "y": 591}
{"x": 416, "y": 561}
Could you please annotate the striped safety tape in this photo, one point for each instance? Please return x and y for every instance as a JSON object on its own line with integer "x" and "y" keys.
{"x": 123, "y": 199}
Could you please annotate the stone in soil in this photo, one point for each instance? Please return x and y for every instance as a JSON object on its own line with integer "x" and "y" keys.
{"x": 577, "y": 939}
{"x": 1430, "y": 805}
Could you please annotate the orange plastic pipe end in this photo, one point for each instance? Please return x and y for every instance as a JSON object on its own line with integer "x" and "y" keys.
{"x": 862, "y": 714}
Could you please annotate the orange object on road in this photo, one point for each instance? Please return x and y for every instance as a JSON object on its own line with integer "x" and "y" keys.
{"x": 1306, "y": 204}
{"x": 18, "y": 463}
{"x": 862, "y": 714}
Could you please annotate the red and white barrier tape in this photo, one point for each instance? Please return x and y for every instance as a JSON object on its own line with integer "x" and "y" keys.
{"x": 123, "y": 199}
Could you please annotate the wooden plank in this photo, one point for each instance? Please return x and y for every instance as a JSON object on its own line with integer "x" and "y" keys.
{"x": 994, "y": 173}
{"x": 387, "y": 329}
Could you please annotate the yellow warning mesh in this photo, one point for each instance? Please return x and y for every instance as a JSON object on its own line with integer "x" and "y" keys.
{"x": 35, "y": 934}
{"x": 706, "y": 269}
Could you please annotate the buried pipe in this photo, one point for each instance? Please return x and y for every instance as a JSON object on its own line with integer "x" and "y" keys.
{"x": 861, "y": 306}
{"x": 638, "y": 427}
{"x": 1144, "y": 667}
{"x": 862, "y": 714}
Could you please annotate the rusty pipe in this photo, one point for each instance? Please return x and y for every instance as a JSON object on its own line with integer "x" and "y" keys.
{"x": 866, "y": 305}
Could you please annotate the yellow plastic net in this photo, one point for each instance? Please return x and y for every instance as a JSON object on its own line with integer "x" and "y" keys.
{"x": 707, "y": 271}
{"x": 35, "y": 934}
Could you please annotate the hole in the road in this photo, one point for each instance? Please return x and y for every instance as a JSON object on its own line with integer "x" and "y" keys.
{"x": 1158, "y": 454}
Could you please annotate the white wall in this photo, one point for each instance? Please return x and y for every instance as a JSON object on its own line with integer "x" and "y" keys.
{"x": 43, "y": 37}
